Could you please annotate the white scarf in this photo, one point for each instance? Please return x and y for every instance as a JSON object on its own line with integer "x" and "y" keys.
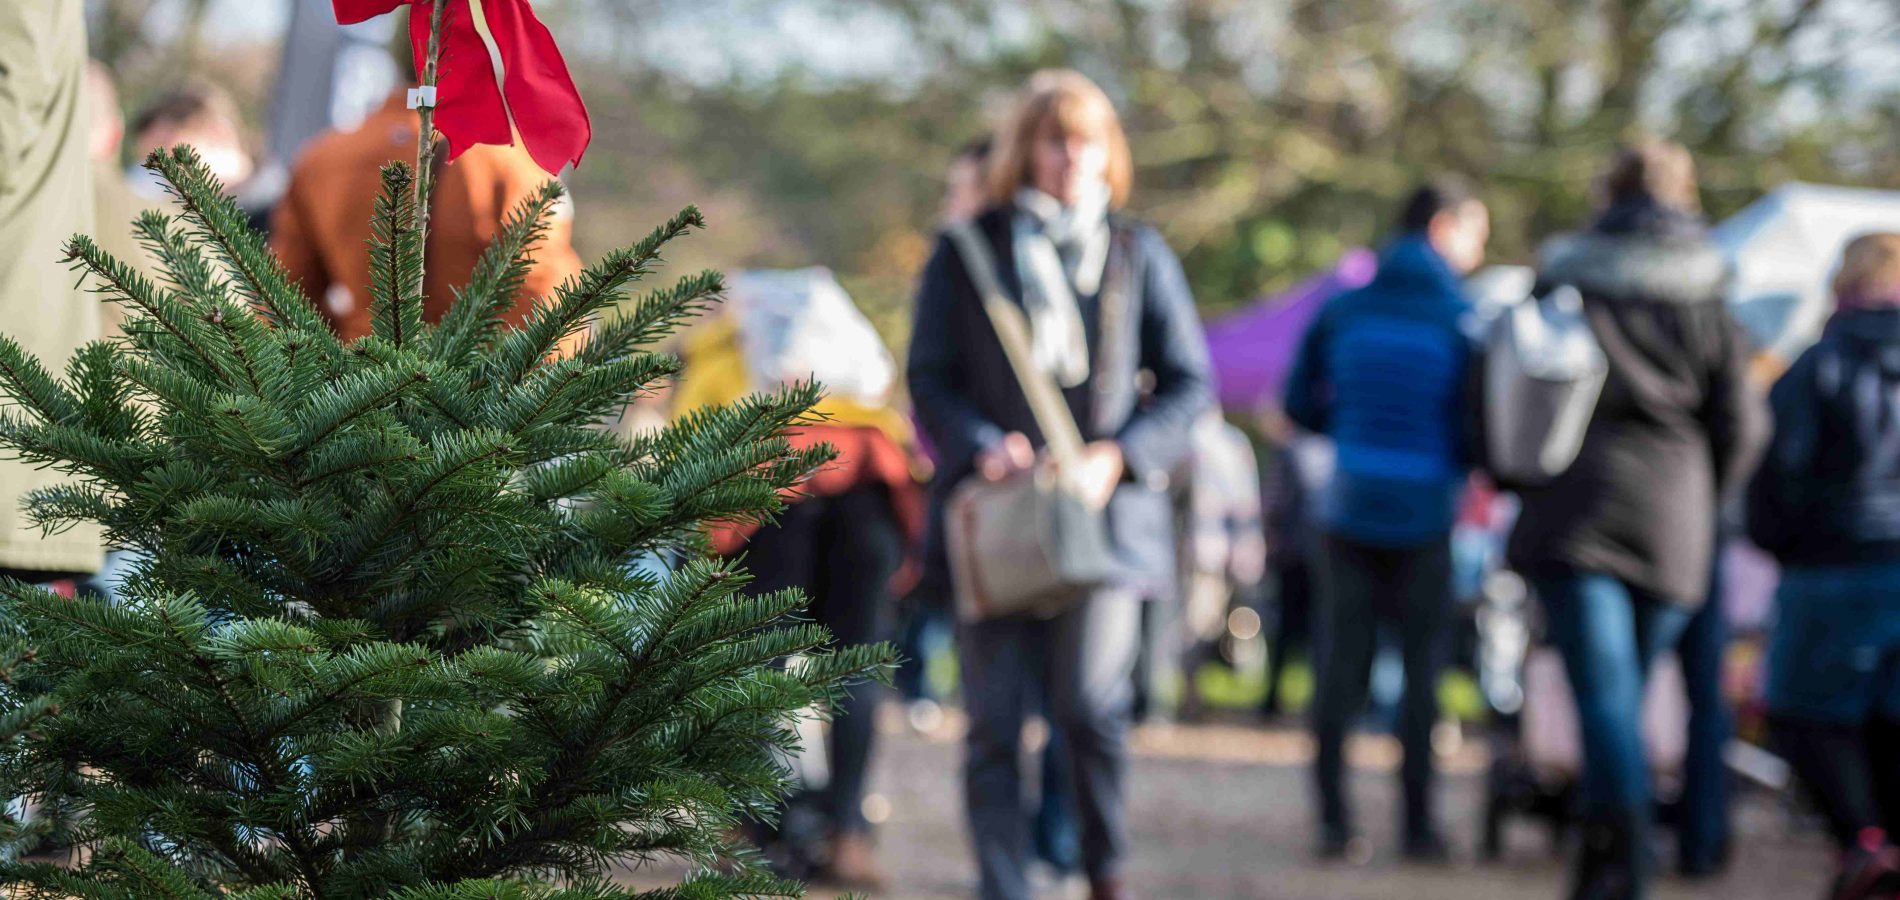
{"x": 1061, "y": 253}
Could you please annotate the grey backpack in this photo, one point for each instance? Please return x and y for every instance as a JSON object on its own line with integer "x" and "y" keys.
{"x": 1544, "y": 371}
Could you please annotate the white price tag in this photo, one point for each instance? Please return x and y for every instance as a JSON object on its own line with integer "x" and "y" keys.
{"x": 421, "y": 97}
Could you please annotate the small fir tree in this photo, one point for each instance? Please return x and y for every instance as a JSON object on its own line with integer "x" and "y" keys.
{"x": 387, "y": 639}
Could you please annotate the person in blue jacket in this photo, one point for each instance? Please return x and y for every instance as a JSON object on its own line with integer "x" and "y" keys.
{"x": 1383, "y": 372}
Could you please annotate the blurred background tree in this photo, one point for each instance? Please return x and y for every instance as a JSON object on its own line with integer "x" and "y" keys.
{"x": 1269, "y": 135}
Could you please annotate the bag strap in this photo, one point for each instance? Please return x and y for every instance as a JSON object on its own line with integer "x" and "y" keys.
{"x": 1053, "y": 417}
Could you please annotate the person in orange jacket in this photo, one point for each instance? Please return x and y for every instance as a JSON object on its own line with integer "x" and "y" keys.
{"x": 322, "y": 227}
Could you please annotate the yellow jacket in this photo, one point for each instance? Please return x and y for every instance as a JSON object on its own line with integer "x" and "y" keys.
{"x": 714, "y": 373}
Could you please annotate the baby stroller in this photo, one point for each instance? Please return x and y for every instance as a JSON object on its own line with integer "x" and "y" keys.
{"x": 1536, "y": 750}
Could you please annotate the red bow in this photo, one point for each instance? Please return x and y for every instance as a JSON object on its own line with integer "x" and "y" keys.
{"x": 470, "y": 107}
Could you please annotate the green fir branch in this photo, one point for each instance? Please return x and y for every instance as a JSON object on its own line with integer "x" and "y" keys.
{"x": 180, "y": 259}
{"x": 31, "y": 388}
{"x": 223, "y": 228}
{"x": 582, "y": 298}
{"x": 499, "y": 276}
{"x": 656, "y": 316}
{"x": 188, "y": 342}
{"x": 395, "y": 259}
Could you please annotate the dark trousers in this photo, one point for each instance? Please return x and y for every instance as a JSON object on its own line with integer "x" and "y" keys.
{"x": 1853, "y": 771}
{"x": 929, "y": 630}
{"x": 1292, "y": 627}
{"x": 926, "y": 634}
{"x": 1362, "y": 586}
{"x": 1703, "y": 826}
{"x": 1056, "y": 836}
{"x": 1155, "y": 661}
{"x": 842, "y": 551}
{"x": 1086, "y": 657}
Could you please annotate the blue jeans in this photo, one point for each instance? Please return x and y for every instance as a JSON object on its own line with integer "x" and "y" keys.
{"x": 1703, "y": 833}
{"x": 1608, "y": 634}
{"x": 1835, "y": 653}
{"x": 1834, "y": 690}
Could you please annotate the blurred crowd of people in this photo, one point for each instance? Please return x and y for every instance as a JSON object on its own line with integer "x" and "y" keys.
{"x": 1340, "y": 532}
{"x": 1386, "y": 455}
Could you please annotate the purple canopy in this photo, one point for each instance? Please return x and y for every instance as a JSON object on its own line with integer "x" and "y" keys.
{"x": 1253, "y": 349}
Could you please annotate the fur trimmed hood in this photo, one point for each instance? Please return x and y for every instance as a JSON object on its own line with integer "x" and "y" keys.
{"x": 1636, "y": 267}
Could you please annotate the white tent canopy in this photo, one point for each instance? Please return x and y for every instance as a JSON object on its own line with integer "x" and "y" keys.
{"x": 1784, "y": 247}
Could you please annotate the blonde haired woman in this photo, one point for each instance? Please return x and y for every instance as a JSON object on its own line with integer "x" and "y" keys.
{"x": 1827, "y": 505}
{"x": 1106, "y": 300}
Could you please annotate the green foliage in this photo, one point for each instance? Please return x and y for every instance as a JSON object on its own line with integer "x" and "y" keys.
{"x": 387, "y": 639}
{"x": 1267, "y": 137}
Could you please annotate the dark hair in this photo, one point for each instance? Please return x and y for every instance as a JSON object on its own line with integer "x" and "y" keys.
{"x": 183, "y": 106}
{"x": 1440, "y": 194}
{"x": 1661, "y": 171}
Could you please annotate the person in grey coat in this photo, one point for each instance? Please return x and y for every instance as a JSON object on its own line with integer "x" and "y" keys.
{"x": 1106, "y": 301}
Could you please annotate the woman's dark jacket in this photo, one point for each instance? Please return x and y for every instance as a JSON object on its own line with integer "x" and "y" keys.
{"x": 1149, "y": 380}
{"x": 1677, "y": 426}
{"x": 1828, "y": 492}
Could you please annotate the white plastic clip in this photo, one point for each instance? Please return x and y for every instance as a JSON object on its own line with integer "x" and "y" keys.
{"x": 421, "y": 97}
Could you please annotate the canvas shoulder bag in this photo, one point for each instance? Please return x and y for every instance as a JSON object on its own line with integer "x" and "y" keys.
{"x": 1030, "y": 544}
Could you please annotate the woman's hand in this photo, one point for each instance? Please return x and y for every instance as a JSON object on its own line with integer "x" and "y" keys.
{"x": 1094, "y": 473}
{"x": 1097, "y": 471}
{"x": 1007, "y": 457}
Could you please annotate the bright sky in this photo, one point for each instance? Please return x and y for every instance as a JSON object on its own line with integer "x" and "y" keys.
{"x": 713, "y": 39}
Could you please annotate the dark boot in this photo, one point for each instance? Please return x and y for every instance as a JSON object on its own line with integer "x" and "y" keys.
{"x": 1589, "y": 880}
{"x": 1110, "y": 888}
{"x": 1425, "y": 846}
{"x": 1614, "y": 862}
{"x": 1338, "y": 844}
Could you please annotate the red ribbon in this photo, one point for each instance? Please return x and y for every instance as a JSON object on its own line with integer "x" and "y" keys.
{"x": 471, "y": 108}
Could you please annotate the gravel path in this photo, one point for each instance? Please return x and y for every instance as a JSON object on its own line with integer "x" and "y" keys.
{"x": 1221, "y": 812}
